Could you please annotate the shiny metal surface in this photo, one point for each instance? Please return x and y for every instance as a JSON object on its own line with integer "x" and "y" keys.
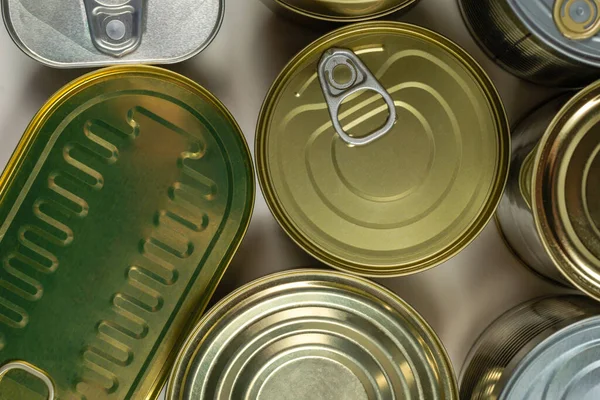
{"x": 115, "y": 29}
{"x": 342, "y": 10}
{"x": 120, "y": 210}
{"x": 336, "y": 90}
{"x": 312, "y": 335}
{"x": 67, "y": 34}
{"x": 515, "y": 217}
{"x": 409, "y": 200}
{"x": 549, "y": 213}
{"x": 545, "y": 349}
{"x": 539, "y": 40}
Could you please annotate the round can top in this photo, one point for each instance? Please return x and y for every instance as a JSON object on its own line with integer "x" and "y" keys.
{"x": 570, "y": 27}
{"x": 566, "y": 190}
{"x": 313, "y": 335}
{"x": 411, "y": 198}
{"x": 345, "y": 10}
{"x": 563, "y": 367}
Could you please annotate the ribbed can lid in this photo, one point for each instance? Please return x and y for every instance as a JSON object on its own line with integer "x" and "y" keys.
{"x": 312, "y": 335}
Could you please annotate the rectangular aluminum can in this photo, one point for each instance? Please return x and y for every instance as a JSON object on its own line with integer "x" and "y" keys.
{"x": 92, "y": 33}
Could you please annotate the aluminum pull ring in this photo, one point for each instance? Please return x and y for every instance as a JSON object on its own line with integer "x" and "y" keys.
{"x": 336, "y": 92}
{"x": 577, "y": 19}
{"x": 31, "y": 370}
{"x": 115, "y": 30}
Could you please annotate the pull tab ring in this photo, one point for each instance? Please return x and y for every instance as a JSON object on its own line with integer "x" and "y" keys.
{"x": 33, "y": 371}
{"x": 336, "y": 92}
{"x": 115, "y": 30}
{"x": 577, "y": 19}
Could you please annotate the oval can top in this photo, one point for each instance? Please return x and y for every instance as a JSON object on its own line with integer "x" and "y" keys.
{"x": 566, "y": 190}
{"x": 91, "y": 33}
{"x": 119, "y": 213}
{"x": 383, "y": 201}
{"x": 345, "y": 10}
{"x": 312, "y": 335}
{"x": 569, "y": 27}
{"x": 564, "y": 366}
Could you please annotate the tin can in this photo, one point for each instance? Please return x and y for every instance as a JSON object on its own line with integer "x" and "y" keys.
{"x": 549, "y": 214}
{"x": 92, "y": 33}
{"x": 120, "y": 210}
{"x": 548, "y": 42}
{"x": 382, "y": 149}
{"x": 339, "y": 11}
{"x": 543, "y": 349}
{"x": 312, "y": 335}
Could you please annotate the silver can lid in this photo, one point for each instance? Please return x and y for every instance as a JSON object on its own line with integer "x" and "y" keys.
{"x": 565, "y": 366}
{"x": 570, "y": 27}
{"x": 312, "y": 335}
{"x": 91, "y": 33}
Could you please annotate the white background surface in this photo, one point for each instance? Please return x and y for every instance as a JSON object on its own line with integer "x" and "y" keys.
{"x": 459, "y": 298}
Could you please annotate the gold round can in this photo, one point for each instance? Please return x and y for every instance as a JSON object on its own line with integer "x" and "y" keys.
{"x": 549, "y": 213}
{"x": 341, "y": 11}
{"x": 383, "y": 149}
{"x": 314, "y": 335}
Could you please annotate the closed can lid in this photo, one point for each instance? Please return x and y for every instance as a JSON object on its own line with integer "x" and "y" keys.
{"x": 562, "y": 367}
{"x": 383, "y": 149}
{"x": 345, "y": 10}
{"x": 570, "y": 27}
{"x": 120, "y": 210}
{"x": 566, "y": 190}
{"x": 88, "y": 33}
{"x": 312, "y": 335}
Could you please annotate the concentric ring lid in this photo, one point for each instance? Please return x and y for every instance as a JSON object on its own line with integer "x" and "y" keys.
{"x": 382, "y": 202}
{"x": 345, "y": 10}
{"x": 566, "y": 190}
{"x": 562, "y": 367}
{"x": 570, "y": 27}
{"x": 312, "y": 335}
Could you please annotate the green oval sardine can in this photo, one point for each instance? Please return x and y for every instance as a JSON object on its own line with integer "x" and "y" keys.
{"x": 545, "y": 349}
{"x": 119, "y": 212}
{"x": 549, "y": 214}
{"x": 312, "y": 335}
{"x": 549, "y": 42}
{"x": 340, "y": 11}
{"x": 382, "y": 149}
{"x": 92, "y": 33}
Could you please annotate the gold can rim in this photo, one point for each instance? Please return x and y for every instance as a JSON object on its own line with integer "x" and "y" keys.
{"x": 486, "y": 213}
{"x": 349, "y": 19}
{"x": 219, "y": 313}
{"x": 568, "y": 247}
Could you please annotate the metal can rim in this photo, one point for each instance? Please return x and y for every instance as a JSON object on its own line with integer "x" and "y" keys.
{"x": 562, "y": 260}
{"x": 188, "y": 350}
{"x": 74, "y": 87}
{"x": 320, "y": 17}
{"x": 8, "y": 25}
{"x": 494, "y": 197}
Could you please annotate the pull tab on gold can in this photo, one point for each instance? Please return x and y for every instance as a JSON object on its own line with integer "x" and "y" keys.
{"x": 336, "y": 91}
{"x": 577, "y": 19}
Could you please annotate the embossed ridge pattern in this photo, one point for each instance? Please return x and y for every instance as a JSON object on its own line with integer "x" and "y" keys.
{"x": 130, "y": 196}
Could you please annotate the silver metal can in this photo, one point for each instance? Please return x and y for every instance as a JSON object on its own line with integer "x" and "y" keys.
{"x": 550, "y": 42}
{"x": 312, "y": 335}
{"x": 545, "y": 349}
{"x": 550, "y": 213}
{"x": 91, "y": 33}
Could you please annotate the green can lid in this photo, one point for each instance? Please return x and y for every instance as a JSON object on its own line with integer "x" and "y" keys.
{"x": 120, "y": 211}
